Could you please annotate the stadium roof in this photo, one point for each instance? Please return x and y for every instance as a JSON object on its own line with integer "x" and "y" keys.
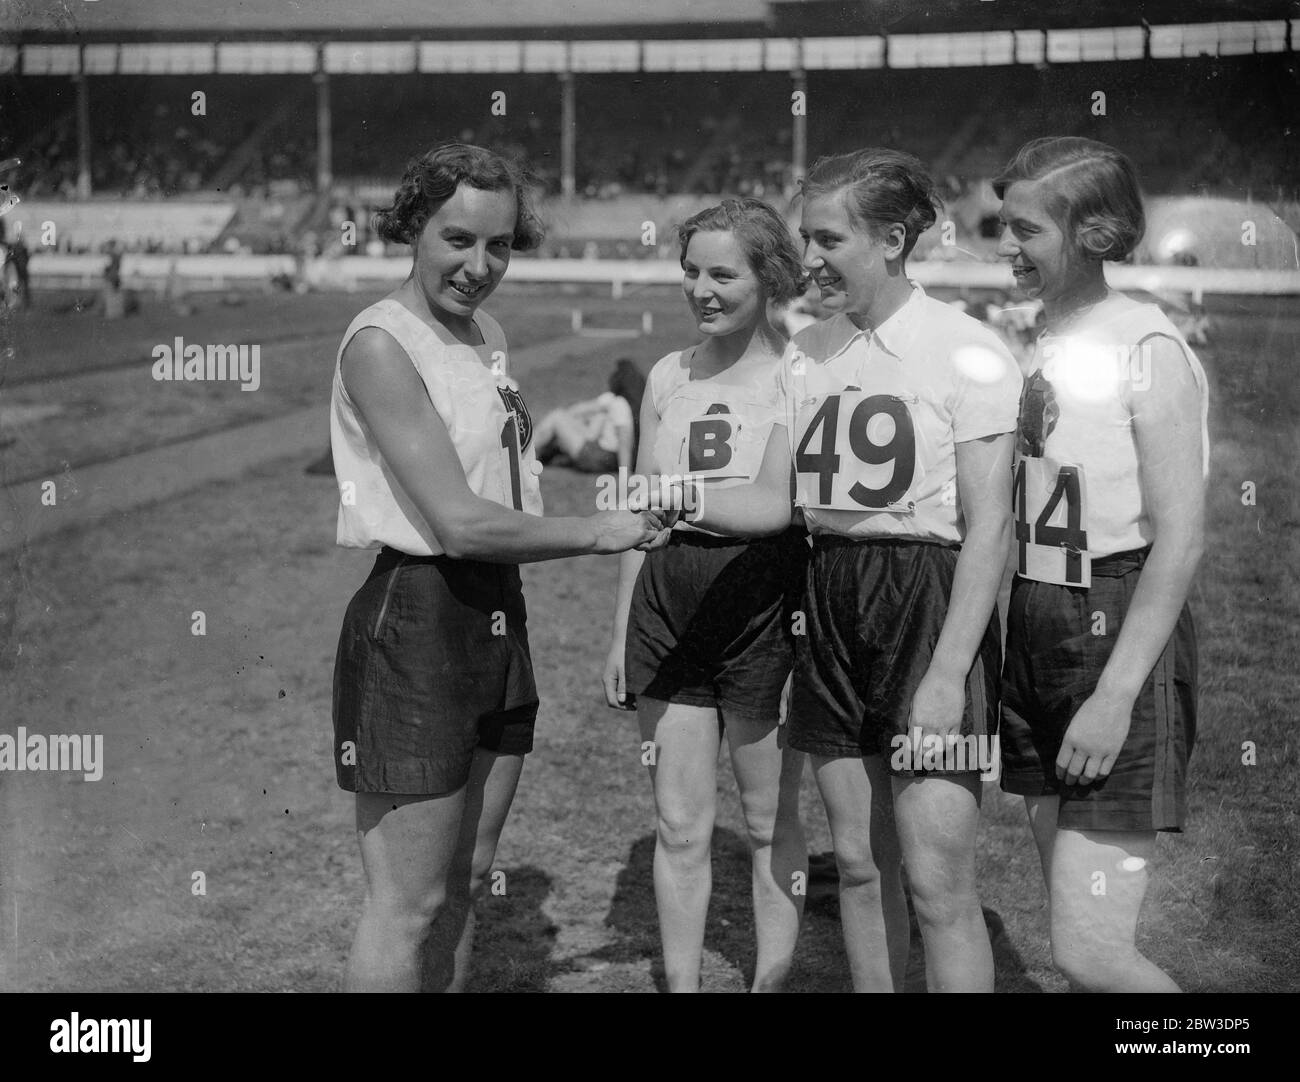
{"x": 142, "y": 20}
{"x": 433, "y": 17}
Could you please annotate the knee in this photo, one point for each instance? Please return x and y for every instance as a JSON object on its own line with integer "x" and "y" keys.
{"x": 406, "y": 919}
{"x": 942, "y": 901}
{"x": 685, "y": 832}
{"x": 1091, "y": 967}
{"x": 760, "y": 822}
{"x": 860, "y": 866}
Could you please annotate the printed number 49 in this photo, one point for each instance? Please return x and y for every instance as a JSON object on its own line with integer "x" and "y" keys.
{"x": 899, "y": 449}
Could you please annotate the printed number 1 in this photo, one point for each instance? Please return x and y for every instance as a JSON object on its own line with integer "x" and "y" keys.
{"x": 1071, "y": 538}
{"x": 510, "y": 441}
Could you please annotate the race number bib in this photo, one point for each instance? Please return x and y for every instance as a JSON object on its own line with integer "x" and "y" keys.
{"x": 1051, "y": 511}
{"x": 719, "y": 446}
{"x": 856, "y": 452}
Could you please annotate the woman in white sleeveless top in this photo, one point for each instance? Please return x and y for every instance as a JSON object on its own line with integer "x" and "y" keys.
{"x": 1099, "y": 687}
{"x": 702, "y": 639}
{"x": 434, "y": 700}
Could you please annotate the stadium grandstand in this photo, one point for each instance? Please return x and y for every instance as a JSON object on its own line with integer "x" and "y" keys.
{"x": 160, "y": 129}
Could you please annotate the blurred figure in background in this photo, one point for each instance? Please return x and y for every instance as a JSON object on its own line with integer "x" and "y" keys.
{"x": 600, "y": 434}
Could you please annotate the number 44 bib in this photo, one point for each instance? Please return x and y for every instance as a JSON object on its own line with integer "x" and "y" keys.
{"x": 1051, "y": 512}
{"x": 856, "y": 451}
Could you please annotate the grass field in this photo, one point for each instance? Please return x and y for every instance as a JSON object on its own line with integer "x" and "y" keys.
{"x": 217, "y": 746}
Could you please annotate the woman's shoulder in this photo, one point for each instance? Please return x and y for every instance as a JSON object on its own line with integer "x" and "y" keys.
{"x": 383, "y": 314}
{"x": 823, "y": 338}
{"x": 671, "y": 370}
{"x": 377, "y": 329}
{"x": 676, "y": 362}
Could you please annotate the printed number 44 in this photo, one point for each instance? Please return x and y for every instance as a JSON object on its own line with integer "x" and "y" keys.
{"x": 1070, "y": 540}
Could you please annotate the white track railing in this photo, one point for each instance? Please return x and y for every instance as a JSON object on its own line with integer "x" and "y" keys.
{"x": 207, "y": 273}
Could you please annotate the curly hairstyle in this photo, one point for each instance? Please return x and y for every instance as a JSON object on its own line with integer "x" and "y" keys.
{"x": 431, "y": 179}
{"x": 882, "y": 188}
{"x": 1091, "y": 192}
{"x": 764, "y": 238}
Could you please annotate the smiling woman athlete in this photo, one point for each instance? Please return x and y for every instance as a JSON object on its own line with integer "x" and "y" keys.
{"x": 434, "y": 701}
{"x": 1099, "y": 693}
{"x": 702, "y": 627}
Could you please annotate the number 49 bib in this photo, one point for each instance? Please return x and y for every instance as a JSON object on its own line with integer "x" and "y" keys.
{"x": 1051, "y": 511}
{"x": 856, "y": 452}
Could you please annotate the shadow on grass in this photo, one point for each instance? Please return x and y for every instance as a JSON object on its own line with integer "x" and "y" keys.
{"x": 819, "y": 964}
{"x": 514, "y": 939}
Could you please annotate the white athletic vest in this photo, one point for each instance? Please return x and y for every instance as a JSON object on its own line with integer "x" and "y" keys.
{"x": 485, "y": 416}
{"x": 712, "y": 429}
{"x": 875, "y": 418}
{"x": 1078, "y": 493}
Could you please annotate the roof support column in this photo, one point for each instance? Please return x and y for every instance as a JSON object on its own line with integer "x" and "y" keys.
{"x": 83, "y": 129}
{"x": 324, "y": 127}
{"x": 568, "y": 136}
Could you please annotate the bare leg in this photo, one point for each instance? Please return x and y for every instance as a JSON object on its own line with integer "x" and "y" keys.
{"x": 491, "y": 789}
{"x": 684, "y": 775}
{"x": 768, "y": 778}
{"x": 1098, "y": 881}
{"x": 873, "y": 907}
{"x": 407, "y": 844}
{"x": 937, "y": 819}
{"x": 558, "y": 432}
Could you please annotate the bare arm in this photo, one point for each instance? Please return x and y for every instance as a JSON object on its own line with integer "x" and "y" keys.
{"x": 629, "y": 564}
{"x": 1167, "y": 428}
{"x": 760, "y": 508}
{"x": 625, "y": 450}
{"x": 983, "y": 483}
{"x": 418, "y": 449}
{"x": 1167, "y": 424}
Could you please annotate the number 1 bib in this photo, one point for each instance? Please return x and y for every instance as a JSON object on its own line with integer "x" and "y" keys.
{"x": 856, "y": 452}
{"x": 1051, "y": 512}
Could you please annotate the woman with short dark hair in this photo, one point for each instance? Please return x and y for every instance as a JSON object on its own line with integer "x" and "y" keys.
{"x": 434, "y": 699}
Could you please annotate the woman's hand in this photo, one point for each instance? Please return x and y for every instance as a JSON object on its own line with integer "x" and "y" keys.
{"x": 938, "y": 704}
{"x": 1094, "y": 739}
{"x": 617, "y": 531}
{"x": 614, "y": 679}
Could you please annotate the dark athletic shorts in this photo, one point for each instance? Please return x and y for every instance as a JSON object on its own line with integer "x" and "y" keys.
{"x": 432, "y": 663}
{"x": 875, "y": 609}
{"x": 1053, "y": 664}
{"x": 710, "y": 622}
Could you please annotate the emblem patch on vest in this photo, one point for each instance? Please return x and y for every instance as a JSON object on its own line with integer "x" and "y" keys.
{"x": 1038, "y": 415}
{"x": 514, "y": 403}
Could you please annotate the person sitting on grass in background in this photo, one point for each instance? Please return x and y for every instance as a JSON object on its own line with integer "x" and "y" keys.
{"x": 600, "y": 434}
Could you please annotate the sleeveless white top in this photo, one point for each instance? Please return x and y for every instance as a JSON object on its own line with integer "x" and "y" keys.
{"x": 485, "y": 416}
{"x": 714, "y": 429}
{"x": 1077, "y": 413}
